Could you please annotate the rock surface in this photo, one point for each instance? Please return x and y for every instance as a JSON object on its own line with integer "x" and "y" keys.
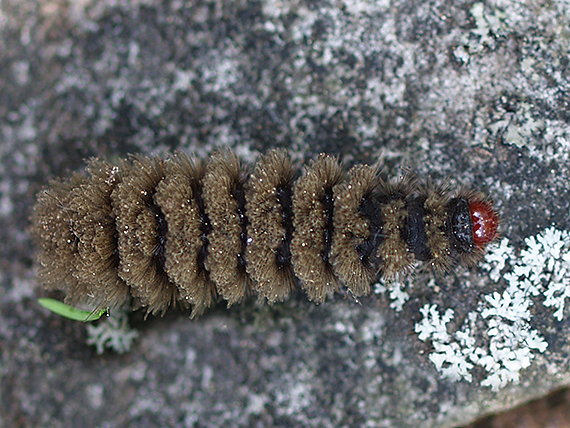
{"x": 473, "y": 93}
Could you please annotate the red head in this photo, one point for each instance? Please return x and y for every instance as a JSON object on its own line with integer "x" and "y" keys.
{"x": 485, "y": 222}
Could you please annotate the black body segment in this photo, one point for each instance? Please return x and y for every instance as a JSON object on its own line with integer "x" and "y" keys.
{"x": 414, "y": 231}
{"x": 181, "y": 231}
{"x": 285, "y": 200}
{"x": 328, "y": 228}
{"x": 460, "y": 226}
{"x": 371, "y": 209}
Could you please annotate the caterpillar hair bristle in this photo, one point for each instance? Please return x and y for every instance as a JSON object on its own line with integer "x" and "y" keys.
{"x": 182, "y": 231}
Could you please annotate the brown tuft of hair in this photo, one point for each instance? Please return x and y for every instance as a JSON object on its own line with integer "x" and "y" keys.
{"x": 352, "y": 229}
{"x": 223, "y": 186}
{"x": 272, "y": 279}
{"x": 137, "y": 218}
{"x": 75, "y": 230}
{"x": 435, "y": 220}
{"x": 393, "y": 251}
{"x": 178, "y": 196}
{"x": 311, "y": 244}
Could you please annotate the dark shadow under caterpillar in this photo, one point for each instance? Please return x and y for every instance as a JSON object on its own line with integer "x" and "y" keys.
{"x": 178, "y": 230}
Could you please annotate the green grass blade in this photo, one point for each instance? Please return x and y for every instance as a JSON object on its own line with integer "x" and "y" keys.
{"x": 70, "y": 312}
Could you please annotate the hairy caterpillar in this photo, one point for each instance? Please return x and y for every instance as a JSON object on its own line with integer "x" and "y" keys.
{"x": 179, "y": 230}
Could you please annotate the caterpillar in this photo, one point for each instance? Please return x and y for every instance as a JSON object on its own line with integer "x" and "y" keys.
{"x": 177, "y": 230}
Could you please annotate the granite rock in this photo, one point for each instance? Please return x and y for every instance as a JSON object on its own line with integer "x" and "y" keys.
{"x": 472, "y": 93}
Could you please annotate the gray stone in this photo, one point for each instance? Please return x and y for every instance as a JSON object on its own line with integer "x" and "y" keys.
{"x": 474, "y": 94}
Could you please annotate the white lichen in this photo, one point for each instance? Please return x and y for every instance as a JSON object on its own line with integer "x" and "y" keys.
{"x": 497, "y": 255}
{"x": 511, "y": 339}
{"x": 507, "y": 343}
{"x": 448, "y": 357}
{"x": 112, "y": 333}
{"x": 396, "y": 288}
{"x": 542, "y": 268}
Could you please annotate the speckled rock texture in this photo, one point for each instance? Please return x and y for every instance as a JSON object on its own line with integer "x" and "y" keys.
{"x": 472, "y": 93}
